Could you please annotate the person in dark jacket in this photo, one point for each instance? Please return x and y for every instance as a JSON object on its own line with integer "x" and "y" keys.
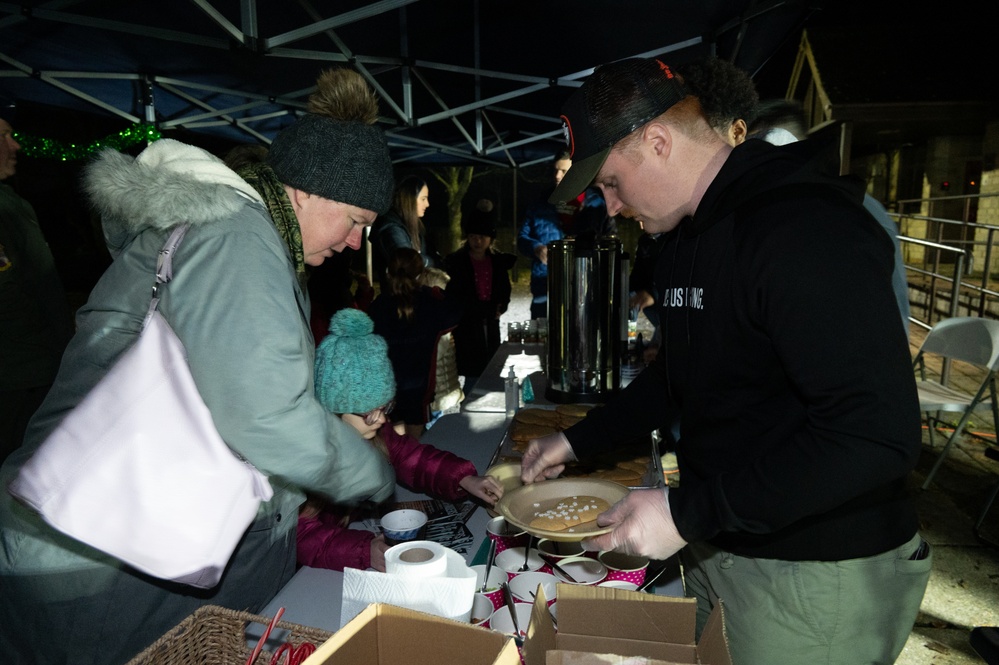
{"x": 480, "y": 279}
{"x": 402, "y": 226}
{"x": 781, "y": 345}
{"x": 354, "y": 380}
{"x": 412, "y": 318}
{"x": 35, "y": 318}
{"x": 544, "y": 221}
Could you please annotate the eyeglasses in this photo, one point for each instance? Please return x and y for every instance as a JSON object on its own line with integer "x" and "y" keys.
{"x": 372, "y": 416}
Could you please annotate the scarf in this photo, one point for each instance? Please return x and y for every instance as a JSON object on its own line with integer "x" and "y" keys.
{"x": 263, "y": 179}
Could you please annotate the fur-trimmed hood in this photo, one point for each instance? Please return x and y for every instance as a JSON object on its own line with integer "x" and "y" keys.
{"x": 169, "y": 183}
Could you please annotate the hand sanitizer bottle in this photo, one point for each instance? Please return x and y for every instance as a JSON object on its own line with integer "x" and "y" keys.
{"x": 512, "y": 389}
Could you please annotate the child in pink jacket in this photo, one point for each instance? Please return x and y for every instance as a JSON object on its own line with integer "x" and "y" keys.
{"x": 354, "y": 380}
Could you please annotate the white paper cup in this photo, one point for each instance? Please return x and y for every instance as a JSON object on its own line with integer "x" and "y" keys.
{"x": 525, "y": 584}
{"x": 583, "y": 570}
{"x": 511, "y": 560}
{"x": 619, "y": 584}
{"x": 482, "y": 609}
{"x": 500, "y": 620}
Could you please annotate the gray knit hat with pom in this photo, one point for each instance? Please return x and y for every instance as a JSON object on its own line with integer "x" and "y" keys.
{"x": 342, "y": 161}
{"x": 335, "y": 151}
{"x": 353, "y": 372}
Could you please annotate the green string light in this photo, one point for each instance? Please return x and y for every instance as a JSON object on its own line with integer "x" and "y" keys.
{"x": 39, "y": 147}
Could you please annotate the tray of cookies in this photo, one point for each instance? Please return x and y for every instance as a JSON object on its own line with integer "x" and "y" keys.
{"x": 635, "y": 464}
{"x": 564, "y": 509}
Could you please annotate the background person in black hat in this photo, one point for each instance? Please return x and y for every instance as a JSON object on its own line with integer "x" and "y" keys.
{"x": 480, "y": 280}
{"x": 799, "y": 421}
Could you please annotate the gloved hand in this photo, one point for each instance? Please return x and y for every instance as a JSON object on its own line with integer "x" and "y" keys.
{"x": 643, "y": 526}
{"x": 545, "y": 458}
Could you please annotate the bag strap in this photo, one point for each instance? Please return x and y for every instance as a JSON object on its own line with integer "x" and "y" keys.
{"x": 164, "y": 265}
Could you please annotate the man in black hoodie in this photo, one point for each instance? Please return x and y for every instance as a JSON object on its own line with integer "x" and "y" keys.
{"x": 781, "y": 346}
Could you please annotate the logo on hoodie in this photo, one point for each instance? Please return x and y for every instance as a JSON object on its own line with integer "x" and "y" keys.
{"x": 691, "y": 296}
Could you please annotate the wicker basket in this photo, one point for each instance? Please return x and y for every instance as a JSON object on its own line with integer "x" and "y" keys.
{"x": 215, "y": 635}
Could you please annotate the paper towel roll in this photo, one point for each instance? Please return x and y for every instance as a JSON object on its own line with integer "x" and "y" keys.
{"x": 418, "y": 559}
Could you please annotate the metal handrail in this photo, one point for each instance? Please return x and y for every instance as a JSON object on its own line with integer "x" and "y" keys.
{"x": 950, "y": 241}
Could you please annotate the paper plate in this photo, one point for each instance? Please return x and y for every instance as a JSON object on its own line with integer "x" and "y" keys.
{"x": 518, "y": 506}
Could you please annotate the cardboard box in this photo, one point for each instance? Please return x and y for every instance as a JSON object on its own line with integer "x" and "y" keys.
{"x": 557, "y": 657}
{"x": 603, "y": 620}
{"x": 388, "y": 635}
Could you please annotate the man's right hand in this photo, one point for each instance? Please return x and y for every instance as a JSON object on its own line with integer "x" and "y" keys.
{"x": 541, "y": 251}
{"x": 545, "y": 458}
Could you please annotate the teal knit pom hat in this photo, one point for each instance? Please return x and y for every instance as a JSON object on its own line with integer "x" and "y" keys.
{"x": 353, "y": 371}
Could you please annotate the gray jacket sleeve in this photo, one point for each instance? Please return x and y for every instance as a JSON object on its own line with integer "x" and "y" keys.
{"x": 236, "y": 305}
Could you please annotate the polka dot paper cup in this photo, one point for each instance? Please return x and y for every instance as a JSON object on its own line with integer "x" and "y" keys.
{"x": 553, "y": 549}
{"x": 505, "y": 535}
{"x": 494, "y": 588}
{"x": 624, "y": 567}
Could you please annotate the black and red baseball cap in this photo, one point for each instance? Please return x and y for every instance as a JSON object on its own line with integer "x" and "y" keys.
{"x": 614, "y": 101}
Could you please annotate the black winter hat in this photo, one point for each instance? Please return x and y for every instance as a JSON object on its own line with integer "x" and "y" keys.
{"x": 481, "y": 220}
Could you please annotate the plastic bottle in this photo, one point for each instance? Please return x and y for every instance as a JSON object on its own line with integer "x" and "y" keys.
{"x": 511, "y": 387}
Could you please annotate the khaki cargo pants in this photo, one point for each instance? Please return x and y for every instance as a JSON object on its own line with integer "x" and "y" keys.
{"x": 809, "y": 612}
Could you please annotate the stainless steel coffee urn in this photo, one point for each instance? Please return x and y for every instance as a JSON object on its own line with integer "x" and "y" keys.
{"x": 586, "y": 297}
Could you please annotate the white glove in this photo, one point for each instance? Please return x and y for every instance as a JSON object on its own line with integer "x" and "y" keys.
{"x": 643, "y": 526}
{"x": 545, "y": 458}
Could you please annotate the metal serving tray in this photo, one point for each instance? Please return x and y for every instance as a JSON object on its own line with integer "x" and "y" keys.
{"x": 644, "y": 446}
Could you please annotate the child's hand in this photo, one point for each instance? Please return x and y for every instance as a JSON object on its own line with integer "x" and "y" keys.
{"x": 378, "y": 547}
{"x": 486, "y": 488}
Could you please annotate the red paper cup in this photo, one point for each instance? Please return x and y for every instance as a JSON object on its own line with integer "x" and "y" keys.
{"x": 624, "y": 567}
{"x": 504, "y": 535}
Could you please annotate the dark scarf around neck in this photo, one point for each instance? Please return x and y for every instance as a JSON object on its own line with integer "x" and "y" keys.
{"x": 261, "y": 177}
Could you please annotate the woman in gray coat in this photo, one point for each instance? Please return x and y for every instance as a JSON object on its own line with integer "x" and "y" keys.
{"x": 239, "y": 305}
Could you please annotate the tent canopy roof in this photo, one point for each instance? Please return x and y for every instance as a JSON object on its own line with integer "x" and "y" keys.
{"x": 459, "y": 81}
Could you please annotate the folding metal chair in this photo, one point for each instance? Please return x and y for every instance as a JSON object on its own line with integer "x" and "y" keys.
{"x": 991, "y": 453}
{"x": 971, "y": 340}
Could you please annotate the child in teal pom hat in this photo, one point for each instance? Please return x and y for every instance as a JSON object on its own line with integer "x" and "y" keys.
{"x": 354, "y": 380}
